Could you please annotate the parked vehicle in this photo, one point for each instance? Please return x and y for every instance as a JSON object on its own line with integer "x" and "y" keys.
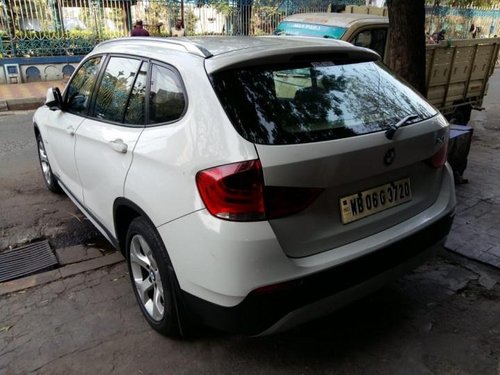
{"x": 251, "y": 183}
{"x": 457, "y": 71}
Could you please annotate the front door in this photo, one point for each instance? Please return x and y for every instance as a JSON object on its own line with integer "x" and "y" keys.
{"x": 62, "y": 126}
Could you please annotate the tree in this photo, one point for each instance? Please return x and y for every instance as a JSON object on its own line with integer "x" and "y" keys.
{"x": 406, "y": 54}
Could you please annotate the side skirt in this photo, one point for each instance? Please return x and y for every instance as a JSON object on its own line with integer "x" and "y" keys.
{"x": 100, "y": 227}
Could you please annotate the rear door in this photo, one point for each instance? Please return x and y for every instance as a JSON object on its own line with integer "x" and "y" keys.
{"x": 105, "y": 141}
{"x": 362, "y": 193}
{"x": 369, "y": 182}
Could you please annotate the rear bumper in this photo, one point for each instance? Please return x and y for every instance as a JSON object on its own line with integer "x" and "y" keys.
{"x": 321, "y": 293}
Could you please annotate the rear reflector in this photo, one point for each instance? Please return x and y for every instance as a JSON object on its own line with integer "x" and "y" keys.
{"x": 237, "y": 192}
{"x": 276, "y": 288}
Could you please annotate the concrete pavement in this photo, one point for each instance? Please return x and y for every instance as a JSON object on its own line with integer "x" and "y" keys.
{"x": 476, "y": 230}
{"x": 26, "y": 95}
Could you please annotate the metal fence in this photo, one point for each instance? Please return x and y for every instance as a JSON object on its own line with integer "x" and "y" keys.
{"x": 73, "y": 27}
{"x": 458, "y": 22}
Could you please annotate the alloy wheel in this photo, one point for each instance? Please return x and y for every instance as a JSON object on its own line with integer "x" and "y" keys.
{"x": 44, "y": 162}
{"x": 146, "y": 277}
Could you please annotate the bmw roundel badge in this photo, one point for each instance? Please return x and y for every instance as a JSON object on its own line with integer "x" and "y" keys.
{"x": 389, "y": 156}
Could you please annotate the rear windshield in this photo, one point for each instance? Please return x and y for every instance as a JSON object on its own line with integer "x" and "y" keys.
{"x": 309, "y": 29}
{"x": 315, "y": 101}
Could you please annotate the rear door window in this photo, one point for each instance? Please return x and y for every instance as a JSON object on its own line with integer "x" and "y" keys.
{"x": 136, "y": 106}
{"x": 115, "y": 88}
{"x": 315, "y": 101}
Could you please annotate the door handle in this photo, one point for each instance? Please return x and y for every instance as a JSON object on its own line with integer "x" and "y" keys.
{"x": 70, "y": 130}
{"x": 119, "y": 146}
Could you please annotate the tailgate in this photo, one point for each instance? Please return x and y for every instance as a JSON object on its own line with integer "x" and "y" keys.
{"x": 347, "y": 167}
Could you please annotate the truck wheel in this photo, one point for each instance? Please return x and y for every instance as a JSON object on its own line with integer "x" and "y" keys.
{"x": 48, "y": 176}
{"x": 153, "y": 278}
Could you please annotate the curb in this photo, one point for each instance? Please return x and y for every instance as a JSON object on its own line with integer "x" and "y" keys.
{"x": 21, "y": 104}
{"x": 60, "y": 273}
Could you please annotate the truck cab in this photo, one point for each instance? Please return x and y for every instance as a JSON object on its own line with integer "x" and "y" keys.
{"x": 363, "y": 30}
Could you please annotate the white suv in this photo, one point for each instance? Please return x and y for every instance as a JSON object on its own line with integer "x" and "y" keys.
{"x": 251, "y": 183}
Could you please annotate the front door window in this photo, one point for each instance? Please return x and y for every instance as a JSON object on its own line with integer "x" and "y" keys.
{"x": 79, "y": 91}
{"x": 374, "y": 39}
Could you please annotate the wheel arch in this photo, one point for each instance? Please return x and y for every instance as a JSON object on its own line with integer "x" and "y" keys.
{"x": 124, "y": 211}
{"x": 36, "y": 130}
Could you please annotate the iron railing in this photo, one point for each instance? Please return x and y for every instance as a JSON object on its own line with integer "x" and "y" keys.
{"x": 73, "y": 27}
{"x": 457, "y": 22}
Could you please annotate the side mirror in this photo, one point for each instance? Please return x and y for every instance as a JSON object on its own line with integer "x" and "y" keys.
{"x": 54, "y": 99}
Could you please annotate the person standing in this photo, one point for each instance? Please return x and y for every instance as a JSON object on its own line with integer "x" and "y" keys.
{"x": 178, "y": 29}
{"x": 139, "y": 30}
{"x": 473, "y": 30}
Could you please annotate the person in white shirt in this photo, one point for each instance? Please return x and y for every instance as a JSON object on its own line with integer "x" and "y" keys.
{"x": 178, "y": 29}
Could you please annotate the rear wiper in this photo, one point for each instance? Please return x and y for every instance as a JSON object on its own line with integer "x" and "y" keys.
{"x": 393, "y": 128}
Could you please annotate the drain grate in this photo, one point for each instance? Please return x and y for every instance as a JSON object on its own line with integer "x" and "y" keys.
{"x": 26, "y": 260}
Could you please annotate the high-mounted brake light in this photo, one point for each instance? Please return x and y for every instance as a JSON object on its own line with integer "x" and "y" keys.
{"x": 237, "y": 192}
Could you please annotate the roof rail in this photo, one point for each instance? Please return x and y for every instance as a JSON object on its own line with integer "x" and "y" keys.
{"x": 185, "y": 44}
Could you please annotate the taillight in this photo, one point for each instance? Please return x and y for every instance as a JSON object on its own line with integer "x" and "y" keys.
{"x": 233, "y": 191}
{"x": 439, "y": 158}
{"x": 237, "y": 192}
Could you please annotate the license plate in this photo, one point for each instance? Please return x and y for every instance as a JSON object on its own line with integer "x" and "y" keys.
{"x": 368, "y": 202}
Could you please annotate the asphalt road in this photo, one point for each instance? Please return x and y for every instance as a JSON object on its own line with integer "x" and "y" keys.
{"x": 444, "y": 318}
{"x": 28, "y": 210}
{"x": 17, "y": 144}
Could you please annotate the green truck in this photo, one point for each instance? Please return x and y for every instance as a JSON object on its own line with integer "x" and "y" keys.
{"x": 457, "y": 71}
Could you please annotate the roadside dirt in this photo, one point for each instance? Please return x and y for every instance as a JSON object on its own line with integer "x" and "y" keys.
{"x": 28, "y": 211}
{"x": 31, "y": 213}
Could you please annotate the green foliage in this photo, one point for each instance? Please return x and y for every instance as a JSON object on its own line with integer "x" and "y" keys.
{"x": 467, "y": 3}
{"x": 222, "y": 6}
{"x": 190, "y": 21}
{"x": 158, "y": 16}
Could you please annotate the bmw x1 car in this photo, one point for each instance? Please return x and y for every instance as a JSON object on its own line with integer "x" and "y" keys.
{"x": 252, "y": 183}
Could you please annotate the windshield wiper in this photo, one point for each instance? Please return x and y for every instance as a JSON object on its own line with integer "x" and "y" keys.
{"x": 389, "y": 133}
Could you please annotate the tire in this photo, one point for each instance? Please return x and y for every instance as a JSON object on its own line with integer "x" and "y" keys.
{"x": 153, "y": 278}
{"x": 48, "y": 176}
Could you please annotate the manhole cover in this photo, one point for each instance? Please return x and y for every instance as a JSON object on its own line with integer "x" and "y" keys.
{"x": 26, "y": 260}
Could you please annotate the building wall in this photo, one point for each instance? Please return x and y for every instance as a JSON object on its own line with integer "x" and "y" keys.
{"x": 22, "y": 70}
